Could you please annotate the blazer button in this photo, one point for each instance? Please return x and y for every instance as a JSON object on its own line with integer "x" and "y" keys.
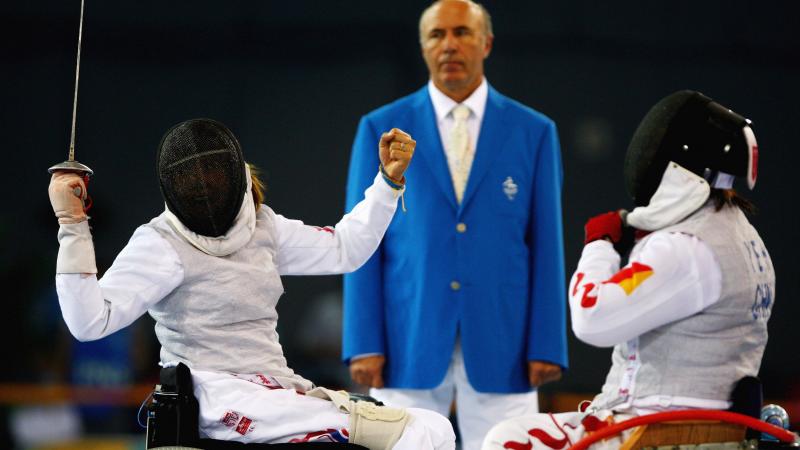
{"x": 461, "y": 227}
{"x": 455, "y": 285}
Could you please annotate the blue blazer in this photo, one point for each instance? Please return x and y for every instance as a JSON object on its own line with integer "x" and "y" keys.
{"x": 490, "y": 270}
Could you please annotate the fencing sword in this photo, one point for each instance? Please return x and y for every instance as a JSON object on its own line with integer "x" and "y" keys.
{"x": 71, "y": 165}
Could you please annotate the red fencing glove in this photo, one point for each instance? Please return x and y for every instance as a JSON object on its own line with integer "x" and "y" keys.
{"x": 608, "y": 225}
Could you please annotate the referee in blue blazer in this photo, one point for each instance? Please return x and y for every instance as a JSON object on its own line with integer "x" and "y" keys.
{"x": 465, "y": 298}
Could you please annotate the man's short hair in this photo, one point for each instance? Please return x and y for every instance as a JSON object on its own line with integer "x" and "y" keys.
{"x": 487, "y": 19}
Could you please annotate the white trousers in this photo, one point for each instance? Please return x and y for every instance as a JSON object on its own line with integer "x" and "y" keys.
{"x": 477, "y": 412}
{"x": 554, "y": 431}
{"x": 254, "y": 408}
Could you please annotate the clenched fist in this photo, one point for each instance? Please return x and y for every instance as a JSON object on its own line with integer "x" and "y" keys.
{"x": 67, "y": 192}
{"x": 395, "y": 150}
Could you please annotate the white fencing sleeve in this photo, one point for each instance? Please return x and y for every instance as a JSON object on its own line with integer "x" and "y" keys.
{"x": 670, "y": 276}
{"x": 309, "y": 250}
{"x": 144, "y": 272}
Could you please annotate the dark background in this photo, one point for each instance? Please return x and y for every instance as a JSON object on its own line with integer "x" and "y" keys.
{"x": 292, "y": 79}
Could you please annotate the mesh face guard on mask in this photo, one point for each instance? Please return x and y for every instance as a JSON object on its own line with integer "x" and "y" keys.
{"x": 695, "y": 132}
{"x": 201, "y": 171}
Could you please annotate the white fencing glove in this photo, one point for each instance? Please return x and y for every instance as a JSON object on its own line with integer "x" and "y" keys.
{"x": 67, "y": 193}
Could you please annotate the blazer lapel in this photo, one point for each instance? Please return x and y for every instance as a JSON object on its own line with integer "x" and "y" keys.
{"x": 490, "y": 144}
{"x": 429, "y": 145}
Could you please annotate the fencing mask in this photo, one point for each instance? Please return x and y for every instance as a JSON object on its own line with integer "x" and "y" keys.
{"x": 691, "y": 130}
{"x": 202, "y": 175}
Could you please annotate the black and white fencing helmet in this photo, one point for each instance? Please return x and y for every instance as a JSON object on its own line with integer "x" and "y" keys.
{"x": 202, "y": 173}
{"x": 695, "y": 132}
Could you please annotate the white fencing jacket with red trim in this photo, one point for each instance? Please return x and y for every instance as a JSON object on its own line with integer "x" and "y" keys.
{"x": 687, "y": 315}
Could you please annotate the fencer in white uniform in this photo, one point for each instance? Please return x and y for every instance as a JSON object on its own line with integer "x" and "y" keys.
{"x": 687, "y": 315}
{"x": 211, "y": 280}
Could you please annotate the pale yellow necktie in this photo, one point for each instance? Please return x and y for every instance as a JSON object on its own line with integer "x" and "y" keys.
{"x": 459, "y": 149}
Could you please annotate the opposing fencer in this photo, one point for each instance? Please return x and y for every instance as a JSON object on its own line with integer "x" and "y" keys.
{"x": 208, "y": 271}
{"x": 687, "y": 315}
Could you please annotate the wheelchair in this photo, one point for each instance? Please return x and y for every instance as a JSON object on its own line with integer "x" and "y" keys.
{"x": 736, "y": 429}
{"x": 172, "y": 419}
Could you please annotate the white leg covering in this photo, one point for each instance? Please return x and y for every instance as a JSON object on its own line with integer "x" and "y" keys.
{"x": 234, "y": 409}
{"x": 551, "y": 431}
{"x": 426, "y": 430}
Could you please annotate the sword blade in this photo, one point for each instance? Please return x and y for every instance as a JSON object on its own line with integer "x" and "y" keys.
{"x": 75, "y": 98}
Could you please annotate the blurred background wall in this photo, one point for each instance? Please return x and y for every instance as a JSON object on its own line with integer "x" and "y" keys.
{"x": 292, "y": 80}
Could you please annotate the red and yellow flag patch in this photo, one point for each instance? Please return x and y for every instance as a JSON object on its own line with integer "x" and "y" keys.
{"x": 631, "y": 277}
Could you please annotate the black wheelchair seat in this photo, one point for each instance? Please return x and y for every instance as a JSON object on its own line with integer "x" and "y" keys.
{"x": 173, "y": 419}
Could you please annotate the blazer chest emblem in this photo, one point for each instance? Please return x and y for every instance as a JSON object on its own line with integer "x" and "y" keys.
{"x": 510, "y": 188}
